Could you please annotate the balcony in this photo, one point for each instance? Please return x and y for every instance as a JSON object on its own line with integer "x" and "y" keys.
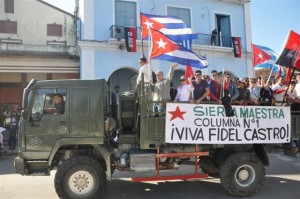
{"x": 117, "y": 32}
{"x": 18, "y": 48}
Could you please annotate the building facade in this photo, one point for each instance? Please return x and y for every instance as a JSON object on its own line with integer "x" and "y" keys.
{"x": 102, "y": 47}
{"x": 37, "y": 41}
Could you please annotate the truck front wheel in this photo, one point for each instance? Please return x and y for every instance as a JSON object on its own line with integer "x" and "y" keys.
{"x": 80, "y": 177}
{"x": 242, "y": 174}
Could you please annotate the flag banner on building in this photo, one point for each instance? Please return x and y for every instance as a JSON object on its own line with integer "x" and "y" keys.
{"x": 208, "y": 124}
{"x": 236, "y": 42}
{"x": 173, "y": 27}
{"x": 262, "y": 54}
{"x": 290, "y": 51}
{"x": 130, "y": 39}
{"x": 164, "y": 48}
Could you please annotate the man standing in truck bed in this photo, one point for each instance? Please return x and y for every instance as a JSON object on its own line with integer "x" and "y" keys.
{"x": 161, "y": 89}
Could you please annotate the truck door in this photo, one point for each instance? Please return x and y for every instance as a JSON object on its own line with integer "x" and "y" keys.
{"x": 49, "y": 121}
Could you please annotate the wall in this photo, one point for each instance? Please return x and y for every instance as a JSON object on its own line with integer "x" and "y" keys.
{"x": 32, "y": 17}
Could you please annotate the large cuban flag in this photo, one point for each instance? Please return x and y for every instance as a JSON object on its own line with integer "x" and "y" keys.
{"x": 164, "y": 48}
{"x": 173, "y": 27}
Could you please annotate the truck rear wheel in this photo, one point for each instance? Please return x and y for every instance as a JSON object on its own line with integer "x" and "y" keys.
{"x": 242, "y": 174}
{"x": 80, "y": 177}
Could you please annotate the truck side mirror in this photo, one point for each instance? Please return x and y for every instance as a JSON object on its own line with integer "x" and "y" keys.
{"x": 24, "y": 114}
{"x": 35, "y": 117}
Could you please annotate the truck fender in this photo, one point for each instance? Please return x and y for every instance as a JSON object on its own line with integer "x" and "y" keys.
{"x": 71, "y": 141}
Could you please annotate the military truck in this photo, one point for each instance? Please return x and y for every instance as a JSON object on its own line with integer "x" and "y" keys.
{"x": 95, "y": 136}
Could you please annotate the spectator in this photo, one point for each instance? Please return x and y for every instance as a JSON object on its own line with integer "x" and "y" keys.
{"x": 258, "y": 81}
{"x": 229, "y": 94}
{"x": 1, "y": 138}
{"x": 230, "y": 88}
{"x": 266, "y": 93}
{"x": 291, "y": 97}
{"x": 244, "y": 94}
{"x": 214, "y": 87}
{"x": 254, "y": 90}
{"x": 200, "y": 88}
{"x": 213, "y": 38}
{"x": 173, "y": 91}
{"x": 184, "y": 91}
{"x": 297, "y": 88}
{"x": 145, "y": 69}
{"x": 13, "y": 132}
{"x": 161, "y": 89}
{"x": 279, "y": 90}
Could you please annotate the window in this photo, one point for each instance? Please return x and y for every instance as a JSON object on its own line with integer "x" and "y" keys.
{"x": 183, "y": 13}
{"x": 48, "y": 101}
{"x": 9, "y": 27}
{"x": 54, "y": 30}
{"x": 125, "y": 13}
{"x": 9, "y": 6}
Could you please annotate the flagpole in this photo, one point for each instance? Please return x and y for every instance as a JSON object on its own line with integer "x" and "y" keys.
{"x": 149, "y": 55}
{"x": 270, "y": 74}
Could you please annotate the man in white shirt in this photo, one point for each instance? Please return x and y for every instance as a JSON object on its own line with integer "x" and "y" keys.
{"x": 146, "y": 70}
{"x": 297, "y": 87}
{"x": 279, "y": 90}
{"x": 183, "y": 91}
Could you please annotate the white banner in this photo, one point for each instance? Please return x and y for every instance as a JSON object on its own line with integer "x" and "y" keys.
{"x": 208, "y": 124}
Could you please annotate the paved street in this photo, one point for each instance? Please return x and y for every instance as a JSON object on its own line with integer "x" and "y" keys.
{"x": 282, "y": 181}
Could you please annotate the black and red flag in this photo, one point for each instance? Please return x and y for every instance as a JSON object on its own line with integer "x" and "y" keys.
{"x": 236, "y": 42}
{"x": 290, "y": 51}
{"x": 130, "y": 39}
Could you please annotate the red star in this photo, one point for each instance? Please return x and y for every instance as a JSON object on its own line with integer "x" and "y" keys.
{"x": 177, "y": 113}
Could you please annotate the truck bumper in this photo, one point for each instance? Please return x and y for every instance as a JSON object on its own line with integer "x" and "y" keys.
{"x": 19, "y": 165}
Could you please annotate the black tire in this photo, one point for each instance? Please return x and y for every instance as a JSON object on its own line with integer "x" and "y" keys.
{"x": 242, "y": 174}
{"x": 80, "y": 177}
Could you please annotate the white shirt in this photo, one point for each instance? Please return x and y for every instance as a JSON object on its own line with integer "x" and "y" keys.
{"x": 146, "y": 70}
{"x": 183, "y": 93}
{"x": 292, "y": 94}
{"x": 297, "y": 88}
{"x": 254, "y": 92}
{"x": 278, "y": 97}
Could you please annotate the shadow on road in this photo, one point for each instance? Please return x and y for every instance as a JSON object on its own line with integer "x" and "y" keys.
{"x": 210, "y": 188}
{"x": 7, "y": 165}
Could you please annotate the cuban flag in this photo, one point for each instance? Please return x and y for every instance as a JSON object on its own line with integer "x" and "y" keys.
{"x": 261, "y": 54}
{"x": 264, "y": 58}
{"x": 173, "y": 27}
{"x": 164, "y": 48}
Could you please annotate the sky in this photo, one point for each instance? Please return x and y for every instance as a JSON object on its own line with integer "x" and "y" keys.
{"x": 271, "y": 20}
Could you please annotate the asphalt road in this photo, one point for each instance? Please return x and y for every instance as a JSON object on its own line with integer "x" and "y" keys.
{"x": 282, "y": 181}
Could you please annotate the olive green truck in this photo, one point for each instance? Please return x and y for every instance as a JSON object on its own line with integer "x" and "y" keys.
{"x": 99, "y": 133}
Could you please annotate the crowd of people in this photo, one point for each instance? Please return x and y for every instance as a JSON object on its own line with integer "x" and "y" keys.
{"x": 214, "y": 88}
{"x": 242, "y": 91}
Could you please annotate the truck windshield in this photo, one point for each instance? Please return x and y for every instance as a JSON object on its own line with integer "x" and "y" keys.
{"x": 44, "y": 101}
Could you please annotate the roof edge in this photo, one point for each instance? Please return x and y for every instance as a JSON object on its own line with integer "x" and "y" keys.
{"x": 56, "y": 8}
